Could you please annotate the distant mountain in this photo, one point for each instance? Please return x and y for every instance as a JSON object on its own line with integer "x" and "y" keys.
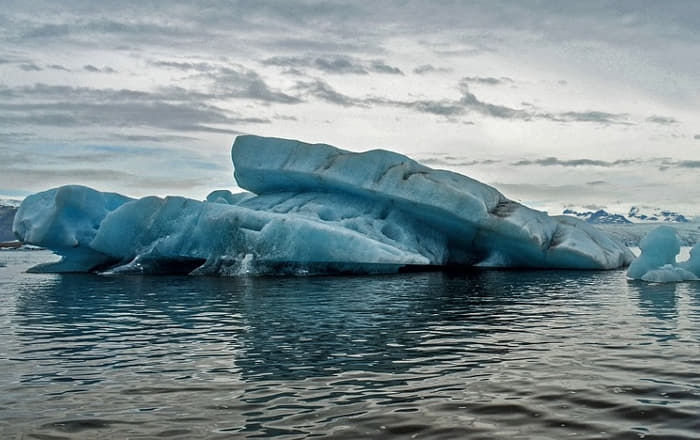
{"x": 599, "y": 217}
{"x": 656, "y": 215}
{"x": 7, "y": 216}
{"x": 635, "y": 215}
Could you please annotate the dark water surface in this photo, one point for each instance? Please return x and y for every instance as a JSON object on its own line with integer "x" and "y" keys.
{"x": 479, "y": 355}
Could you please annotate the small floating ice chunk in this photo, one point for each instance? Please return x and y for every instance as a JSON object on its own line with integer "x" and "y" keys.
{"x": 659, "y": 248}
{"x": 657, "y": 262}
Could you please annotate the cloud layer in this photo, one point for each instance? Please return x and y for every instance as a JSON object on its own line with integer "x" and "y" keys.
{"x": 508, "y": 88}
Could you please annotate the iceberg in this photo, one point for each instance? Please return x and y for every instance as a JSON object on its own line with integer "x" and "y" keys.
{"x": 311, "y": 208}
{"x": 66, "y": 220}
{"x": 657, "y": 262}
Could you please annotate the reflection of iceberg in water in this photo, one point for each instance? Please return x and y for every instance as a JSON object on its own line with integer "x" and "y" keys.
{"x": 287, "y": 328}
{"x": 253, "y": 328}
{"x": 657, "y": 300}
{"x": 91, "y": 324}
{"x": 326, "y": 326}
{"x": 263, "y": 355}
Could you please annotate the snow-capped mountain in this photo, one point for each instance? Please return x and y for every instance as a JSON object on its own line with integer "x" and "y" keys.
{"x": 656, "y": 215}
{"x": 598, "y": 217}
{"x": 635, "y": 215}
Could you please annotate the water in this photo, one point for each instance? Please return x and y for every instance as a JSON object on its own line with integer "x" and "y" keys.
{"x": 479, "y": 355}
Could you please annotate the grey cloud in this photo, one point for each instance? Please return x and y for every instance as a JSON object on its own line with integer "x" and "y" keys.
{"x": 259, "y": 90}
{"x": 217, "y": 24}
{"x": 381, "y": 67}
{"x": 553, "y": 161}
{"x": 663, "y": 120}
{"x": 332, "y": 64}
{"x": 477, "y": 45}
{"x": 487, "y": 80}
{"x": 246, "y": 30}
{"x": 285, "y": 117}
{"x": 446, "y": 107}
{"x": 10, "y": 137}
{"x": 93, "y": 69}
{"x": 151, "y": 138}
{"x": 441, "y": 108}
{"x": 666, "y": 164}
{"x": 338, "y": 23}
{"x": 244, "y": 83}
{"x": 41, "y": 91}
{"x": 456, "y": 162}
{"x": 63, "y": 106}
{"x": 429, "y": 68}
{"x": 596, "y": 183}
{"x": 187, "y": 66}
{"x": 137, "y": 28}
{"x": 29, "y": 177}
{"x": 590, "y": 116}
{"x": 57, "y": 67}
{"x": 229, "y": 81}
{"x": 226, "y": 81}
{"x": 8, "y": 157}
{"x": 293, "y": 71}
{"x": 323, "y": 91}
{"x": 287, "y": 61}
{"x": 69, "y": 174}
{"x": 177, "y": 117}
{"x": 471, "y": 102}
{"x": 107, "y": 156}
{"x": 318, "y": 45}
{"x": 136, "y": 167}
{"x": 688, "y": 164}
{"x": 171, "y": 93}
{"x": 36, "y": 118}
{"x": 339, "y": 65}
{"x": 451, "y": 108}
{"x": 13, "y": 58}
{"x": 335, "y": 64}
{"x": 30, "y": 67}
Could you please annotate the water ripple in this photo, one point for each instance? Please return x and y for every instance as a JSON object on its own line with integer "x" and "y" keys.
{"x": 479, "y": 355}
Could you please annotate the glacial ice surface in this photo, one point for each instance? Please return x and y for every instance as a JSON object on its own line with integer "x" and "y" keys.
{"x": 657, "y": 262}
{"x": 311, "y": 209}
{"x": 65, "y": 220}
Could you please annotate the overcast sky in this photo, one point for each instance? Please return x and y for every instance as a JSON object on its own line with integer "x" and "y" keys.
{"x": 555, "y": 103}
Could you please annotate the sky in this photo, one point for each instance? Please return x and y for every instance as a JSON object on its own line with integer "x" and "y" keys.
{"x": 557, "y": 104}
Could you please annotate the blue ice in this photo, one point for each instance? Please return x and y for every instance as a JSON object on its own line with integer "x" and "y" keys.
{"x": 311, "y": 208}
